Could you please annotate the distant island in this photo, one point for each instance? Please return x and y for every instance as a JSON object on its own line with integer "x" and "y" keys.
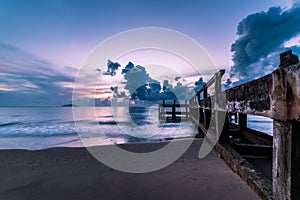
{"x": 69, "y": 105}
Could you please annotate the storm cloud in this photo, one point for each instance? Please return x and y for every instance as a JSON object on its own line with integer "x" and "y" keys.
{"x": 261, "y": 39}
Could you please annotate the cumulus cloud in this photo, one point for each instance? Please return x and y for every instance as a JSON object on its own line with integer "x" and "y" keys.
{"x": 141, "y": 86}
{"x": 135, "y": 78}
{"x": 261, "y": 39}
{"x": 128, "y": 67}
{"x": 182, "y": 92}
{"x": 167, "y": 85}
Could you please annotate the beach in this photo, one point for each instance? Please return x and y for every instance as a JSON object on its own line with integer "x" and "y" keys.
{"x": 72, "y": 173}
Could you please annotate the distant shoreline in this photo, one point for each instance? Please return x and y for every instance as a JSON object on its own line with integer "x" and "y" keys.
{"x": 69, "y": 105}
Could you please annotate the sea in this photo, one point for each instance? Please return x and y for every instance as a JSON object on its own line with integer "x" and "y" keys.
{"x": 36, "y": 128}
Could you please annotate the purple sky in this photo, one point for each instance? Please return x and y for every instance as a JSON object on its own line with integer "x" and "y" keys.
{"x": 44, "y": 42}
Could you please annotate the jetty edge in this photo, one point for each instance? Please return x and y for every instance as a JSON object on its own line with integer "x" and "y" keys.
{"x": 223, "y": 114}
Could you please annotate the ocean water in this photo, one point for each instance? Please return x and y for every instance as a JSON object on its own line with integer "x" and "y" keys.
{"x": 261, "y": 124}
{"x": 45, "y": 127}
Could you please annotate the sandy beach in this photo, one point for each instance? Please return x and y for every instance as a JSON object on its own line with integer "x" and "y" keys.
{"x": 72, "y": 173}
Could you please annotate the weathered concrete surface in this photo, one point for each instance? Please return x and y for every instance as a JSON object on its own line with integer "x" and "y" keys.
{"x": 285, "y": 102}
{"x": 251, "y": 98}
{"x": 256, "y": 180}
{"x": 285, "y": 93}
{"x": 282, "y": 144}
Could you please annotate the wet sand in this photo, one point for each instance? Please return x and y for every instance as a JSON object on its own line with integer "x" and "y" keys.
{"x": 72, "y": 173}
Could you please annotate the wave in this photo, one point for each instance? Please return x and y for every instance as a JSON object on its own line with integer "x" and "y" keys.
{"x": 141, "y": 122}
{"x": 169, "y": 125}
{"x": 108, "y": 123}
{"x": 18, "y": 115}
{"x": 37, "y": 123}
{"x": 127, "y": 137}
{"x": 37, "y": 129}
{"x": 260, "y": 121}
{"x": 10, "y": 124}
{"x": 105, "y": 116}
{"x": 37, "y": 134}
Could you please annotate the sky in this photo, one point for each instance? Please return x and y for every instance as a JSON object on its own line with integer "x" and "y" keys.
{"x": 44, "y": 42}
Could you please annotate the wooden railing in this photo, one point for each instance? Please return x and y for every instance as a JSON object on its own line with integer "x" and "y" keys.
{"x": 276, "y": 96}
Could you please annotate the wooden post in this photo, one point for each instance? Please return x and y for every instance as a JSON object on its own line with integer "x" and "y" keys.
{"x": 159, "y": 112}
{"x": 163, "y": 110}
{"x": 198, "y": 108}
{"x": 186, "y": 110}
{"x": 192, "y": 107}
{"x": 173, "y": 111}
{"x": 207, "y": 117}
{"x": 242, "y": 121}
{"x": 205, "y": 111}
{"x": 201, "y": 116}
{"x": 205, "y": 92}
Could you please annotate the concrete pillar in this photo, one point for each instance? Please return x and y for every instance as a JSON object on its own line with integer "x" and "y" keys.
{"x": 285, "y": 95}
{"x": 286, "y": 160}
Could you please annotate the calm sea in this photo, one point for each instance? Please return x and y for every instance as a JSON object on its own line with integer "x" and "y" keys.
{"x": 45, "y": 127}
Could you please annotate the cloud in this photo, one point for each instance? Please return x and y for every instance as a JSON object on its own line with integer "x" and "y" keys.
{"x": 105, "y": 102}
{"x": 116, "y": 92}
{"x": 128, "y": 67}
{"x": 182, "y": 92}
{"x": 291, "y": 3}
{"x": 141, "y": 86}
{"x": 177, "y": 78}
{"x": 228, "y": 84}
{"x": 30, "y": 80}
{"x": 261, "y": 39}
{"x": 199, "y": 84}
{"x": 71, "y": 70}
{"x": 112, "y": 67}
{"x": 135, "y": 78}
